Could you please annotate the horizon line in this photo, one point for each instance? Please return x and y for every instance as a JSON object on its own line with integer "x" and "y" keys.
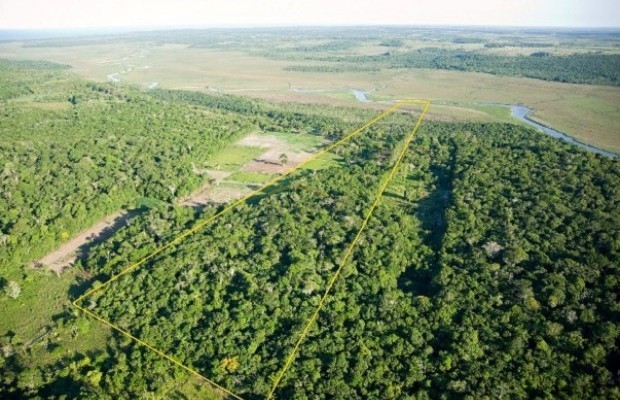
{"x": 138, "y": 28}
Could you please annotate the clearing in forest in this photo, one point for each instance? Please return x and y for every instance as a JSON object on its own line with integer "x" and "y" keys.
{"x": 232, "y": 299}
{"x": 244, "y": 166}
{"x": 69, "y": 252}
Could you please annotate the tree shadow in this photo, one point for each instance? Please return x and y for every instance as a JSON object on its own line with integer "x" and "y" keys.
{"x": 120, "y": 222}
{"x": 81, "y": 286}
{"x": 67, "y": 386}
{"x": 431, "y": 212}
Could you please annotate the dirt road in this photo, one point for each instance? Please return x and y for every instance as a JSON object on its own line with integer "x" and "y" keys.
{"x": 69, "y": 252}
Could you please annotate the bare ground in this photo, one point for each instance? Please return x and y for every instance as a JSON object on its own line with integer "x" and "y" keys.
{"x": 207, "y": 194}
{"x": 69, "y": 252}
{"x": 216, "y": 195}
{"x": 267, "y": 162}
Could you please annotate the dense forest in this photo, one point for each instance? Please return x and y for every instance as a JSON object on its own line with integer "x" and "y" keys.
{"x": 85, "y": 156}
{"x": 489, "y": 269}
{"x": 478, "y": 276}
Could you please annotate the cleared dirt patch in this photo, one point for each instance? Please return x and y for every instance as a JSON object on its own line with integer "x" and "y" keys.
{"x": 206, "y": 194}
{"x": 217, "y": 175}
{"x": 270, "y": 162}
{"x": 222, "y": 189}
{"x": 217, "y": 195}
{"x": 77, "y": 247}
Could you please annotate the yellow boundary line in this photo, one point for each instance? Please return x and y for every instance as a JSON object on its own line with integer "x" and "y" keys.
{"x": 348, "y": 253}
{"x": 200, "y": 225}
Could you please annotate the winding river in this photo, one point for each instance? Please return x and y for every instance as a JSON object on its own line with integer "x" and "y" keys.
{"x": 522, "y": 113}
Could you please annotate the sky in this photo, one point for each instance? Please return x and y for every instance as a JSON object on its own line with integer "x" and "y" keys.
{"x": 71, "y": 14}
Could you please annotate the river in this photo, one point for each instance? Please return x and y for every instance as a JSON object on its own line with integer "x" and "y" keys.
{"x": 361, "y": 95}
{"x": 522, "y": 113}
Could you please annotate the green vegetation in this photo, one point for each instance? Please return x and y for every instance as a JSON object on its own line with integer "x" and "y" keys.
{"x": 72, "y": 152}
{"x": 266, "y": 273}
{"x": 473, "y": 278}
{"x": 233, "y": 157}
{"x": 489, "y": 269}
{"x": 25, "y": 78}
{"x": 65, "y": 169}
{"x": 467, "y": 259}
{"x": 596, "y": 69}
{"x": 301, "y": 141}
{"x": 499, "y": 113}
{"x": 250, "y": 177}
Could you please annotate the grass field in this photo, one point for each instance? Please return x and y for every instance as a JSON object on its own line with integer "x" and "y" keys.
{"x": 43, "y": 302}
{"x": 586, "y": 112}
{"x": 250, "y": 177}
{"x": 231, "y": 158}
{"x": 300, "y": 141}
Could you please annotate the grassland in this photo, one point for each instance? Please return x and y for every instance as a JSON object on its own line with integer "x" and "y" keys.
{"x": 233, "y": 157}
{"x": 250, "y": 177}
{"x": 36, "y": 319}
{"x": 587, "y": 112}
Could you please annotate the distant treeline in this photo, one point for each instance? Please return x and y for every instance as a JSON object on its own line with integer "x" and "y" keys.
{"x": 498, "y": 45}
{"x": 23, "y": 65}
{"x": 355, "y": 49}
{"x": 333, "y": 68}
{"x": 598, "y": 69}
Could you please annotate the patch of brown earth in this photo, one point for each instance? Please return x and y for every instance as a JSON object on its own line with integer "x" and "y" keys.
{"x": 68, "y": 253}
{"x": 270, "y": 162}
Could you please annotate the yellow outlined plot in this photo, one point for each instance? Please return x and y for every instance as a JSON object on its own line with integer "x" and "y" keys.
{"x": 346, "y": 255}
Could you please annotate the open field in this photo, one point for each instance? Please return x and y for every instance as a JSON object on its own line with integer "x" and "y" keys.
{"x": 36, "y": 320}
{"x": 250, "y": 162}
{"x": 560, "y": 105}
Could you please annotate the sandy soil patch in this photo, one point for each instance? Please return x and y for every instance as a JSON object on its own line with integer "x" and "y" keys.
{"x": 69, "y": 252}
{"x": 216, "y": 195}
{"x": 269, "y": 161}
{"x": 207, "y": 194}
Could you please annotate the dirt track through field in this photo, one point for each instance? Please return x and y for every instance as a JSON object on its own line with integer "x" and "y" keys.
{"x": 69, "y": 252}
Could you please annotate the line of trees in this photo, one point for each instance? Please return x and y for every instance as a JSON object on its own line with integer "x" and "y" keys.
{"x": 596, "y": 69}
